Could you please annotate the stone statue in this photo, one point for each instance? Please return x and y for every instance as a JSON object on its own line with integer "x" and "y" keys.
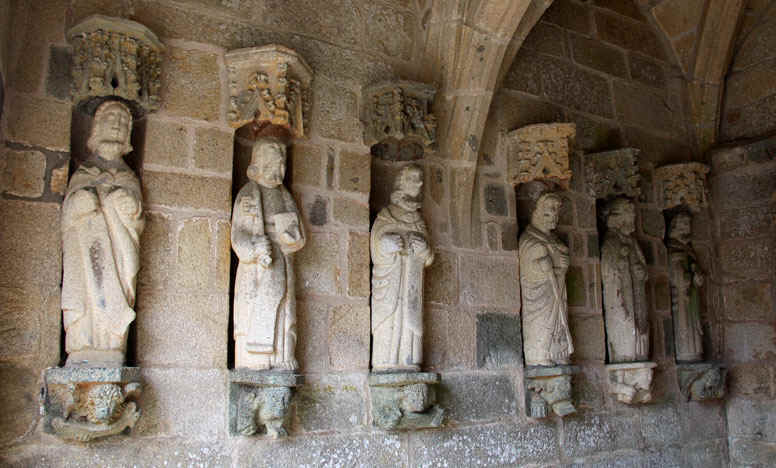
{"x": 102, "y": 219}
{"x": 624, "y": 273}
{"x": 266, "y": 231}
{"x": 400, "y": 251}
{"x": 686, "y": 278}
{"x": 544, "y": 260}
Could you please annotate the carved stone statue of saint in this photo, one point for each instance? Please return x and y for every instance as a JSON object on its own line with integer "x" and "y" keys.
{"x": 544, "y": 260}
{"x": 266, "y": 231}
{"x": 102, "y": 219}
{"x": 400, "y": 251}
{"x": 624, "y": 273}
{"x": 686, "y": 278}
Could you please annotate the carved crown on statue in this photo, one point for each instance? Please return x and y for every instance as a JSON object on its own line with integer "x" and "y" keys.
{"x": 400, "y": 110}
{"x": 539, "y": 152}
{"x": 116, "y": 57}
{"x": 269, "y": 85}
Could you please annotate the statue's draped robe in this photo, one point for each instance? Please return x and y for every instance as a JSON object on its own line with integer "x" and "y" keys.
{"x": 100, "y": 262}
{"x": 397, "y": 291}
{"x": 264, "y": 297}
{"x": 625, "y": 304}
{"x": 685, "y": 302}
{"x": 547, "y": 339}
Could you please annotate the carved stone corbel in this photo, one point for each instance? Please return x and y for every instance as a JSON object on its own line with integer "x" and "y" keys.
{"x": 549, "y": 389}
{"x": 702, "y": 381}
{"x": 269, "y": 85}
{"x": 613, "y": 173}
{"x": 259, "y": 401}
{"x": 399, "y": 110}
{"x": 116, "y": 57}
{"x": 404, "y": 400}
{"x": 631, "y": 382}
{"x": 682, "y": 185}
{"x": 539, "y": 152}
{"x": 86, "y": 403}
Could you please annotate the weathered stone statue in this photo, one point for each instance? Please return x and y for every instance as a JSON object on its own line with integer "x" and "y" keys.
{"x": 686, "y": 278}
{"x": 266, "y": 231}
{"x": 544, "y": 260}
{"x": 102, "y": 219}
{"x": 400, "y": 252}
{"x": 624, "y": 274}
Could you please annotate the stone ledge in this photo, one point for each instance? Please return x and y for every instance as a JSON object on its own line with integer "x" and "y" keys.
{"x": 550, "y": 371}
{"x": 66, "y": 375}
{"x": 398, "y": 379}
{"x": 265, "y": 378}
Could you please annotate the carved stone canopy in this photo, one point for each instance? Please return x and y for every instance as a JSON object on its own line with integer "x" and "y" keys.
{"x": 116, "y": 57}
{"x": 682, "y": 184}
{"x": 539, "y": 152}
{"x": 400, "y": 110}
{"x": 613, "y": 173}
{"x": 269, "y": 85}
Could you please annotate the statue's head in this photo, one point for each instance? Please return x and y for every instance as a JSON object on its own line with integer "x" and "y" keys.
{"x": 407, "y": 187}
{"x": 680, "y": 227}
{"x": 547, "y": 211}
{"x": 620, "y": 216}
{"x": 268, "y": 162}
{"x": 111, "y": 130}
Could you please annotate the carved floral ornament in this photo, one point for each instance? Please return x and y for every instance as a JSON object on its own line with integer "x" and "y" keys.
{"x": 269, "y": 85}
{"x": 400, "y": 110}
{"x": 116, "y": 57}
{"x": 539, "y": 152}
{"x": 613, "y": 173}
{"x": 682, "y": 184}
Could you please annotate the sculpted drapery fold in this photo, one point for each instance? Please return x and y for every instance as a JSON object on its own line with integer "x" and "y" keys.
{"x": 102, "y": 219}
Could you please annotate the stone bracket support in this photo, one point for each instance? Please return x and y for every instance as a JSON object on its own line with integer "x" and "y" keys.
{"x": 259, "y": 401}
{"x": 82, "y": 404}
{"x": 269, "y": 85}
{"x": 702, "y": 381}
{"x": 549, "y": 389}
{"x": 539, "y": 152}
{"x": 631, "y": 382}
{"x": 116, "y": 57}
{"x": 399, "y": 110}
{"x": 682, "y": 184}
{"x": 613, "y": 173}
{"x": 404, "y": 400}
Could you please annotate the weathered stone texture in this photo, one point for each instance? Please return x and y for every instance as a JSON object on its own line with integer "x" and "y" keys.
{"x": 335, "y": 112}
{"x": 358, "y": 266}
{"x": 348, "y": 337}
{"x": 354, "y": 172}
{"x": 332, "y": 404}
{"x": 58, "y": 79}
{"x": 187, "y": 73}
{"x": 19, "y": 398}
{"x": 492, "y": 445}
{"x": 306, "y": 163}
{"x": 166, "y": 143}
{"x": 440, "y": 281}
{"x": 317, "y": 265}
{"x": 471, "y": 397}
{"x": 213, "y": 149}
{"x": 23, "y": 173}
{"x": 599, "y": 56}
{"x": 37, "y": 122}
{"x": 25, "y": 236}
{"x": 182, "y": 330}
{"x": 632, "y": 35}
{"x": 750, "y": 342}
{"x": 492, "y": 281}
{"x": 351, "y": 212}
{"x": 185, "y": 191}
{"x": 499, "y": 341}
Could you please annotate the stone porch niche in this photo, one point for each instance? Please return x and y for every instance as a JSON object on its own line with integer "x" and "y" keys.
{"x": 114, "y": 83}
{"x": 399, "y": 127}
{"x": 268, "y": 104}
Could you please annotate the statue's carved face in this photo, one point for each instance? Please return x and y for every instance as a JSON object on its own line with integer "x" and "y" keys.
{"x": 680, "y": 227}
{"x": 268, "y": 164}
{"x": 111, "y": 131}
{"x": 622, "y": 217}
{"x": 545, "y": 216}
{"x": 409, "y": 188}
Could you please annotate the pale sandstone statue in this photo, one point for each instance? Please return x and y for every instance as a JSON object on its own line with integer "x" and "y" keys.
{"x": 102, "y": 219}
{"x": 544, "y": 260}
{"x": 686, "y": 278}
{"x": 266, "y": 231}
{"x": 624, "y": 275}
{"x": 400, "y": 251}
